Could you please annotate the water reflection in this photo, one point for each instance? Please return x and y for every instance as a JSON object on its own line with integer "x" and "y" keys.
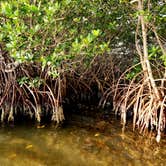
{"x": 77, "y": 146}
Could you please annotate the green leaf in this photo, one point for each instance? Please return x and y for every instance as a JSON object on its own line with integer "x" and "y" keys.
{"x": 96, "y": 33}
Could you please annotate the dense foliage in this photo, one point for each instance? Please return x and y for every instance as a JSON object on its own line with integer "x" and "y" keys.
{"x": 53, "y": 32}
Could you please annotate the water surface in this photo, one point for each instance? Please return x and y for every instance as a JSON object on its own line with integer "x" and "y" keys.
{"x": 33, "y": 145}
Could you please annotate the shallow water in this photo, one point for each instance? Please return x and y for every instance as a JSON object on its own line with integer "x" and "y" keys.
{"x": 77, "y": 146}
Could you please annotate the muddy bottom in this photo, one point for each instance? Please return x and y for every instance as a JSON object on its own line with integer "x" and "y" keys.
{"x": 76, "y": 144}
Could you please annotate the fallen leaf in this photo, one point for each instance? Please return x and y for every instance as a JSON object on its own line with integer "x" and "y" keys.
{"x": 12, "y": 156}
{"x": 97, "y": 134}
{"x": 29, "y": 146}
{"x": 40, "y": 127}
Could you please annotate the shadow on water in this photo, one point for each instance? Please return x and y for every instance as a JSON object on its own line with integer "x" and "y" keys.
{"x": 77, "y": 145}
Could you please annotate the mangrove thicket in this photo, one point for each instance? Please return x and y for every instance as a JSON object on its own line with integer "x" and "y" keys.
{"x": 58, "y": 51}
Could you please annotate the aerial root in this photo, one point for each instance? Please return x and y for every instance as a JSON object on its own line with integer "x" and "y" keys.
{"x": 58, "y": 115}
{"x": 148, "y": 110}
{"x": 11, "y": 115}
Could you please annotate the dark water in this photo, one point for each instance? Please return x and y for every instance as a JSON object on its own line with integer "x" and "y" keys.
{"x": 77, "y": 146}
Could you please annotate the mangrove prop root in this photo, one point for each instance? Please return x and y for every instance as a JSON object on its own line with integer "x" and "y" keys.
{"x": 58, "y": 114}
{"x": 11, "y": 116}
